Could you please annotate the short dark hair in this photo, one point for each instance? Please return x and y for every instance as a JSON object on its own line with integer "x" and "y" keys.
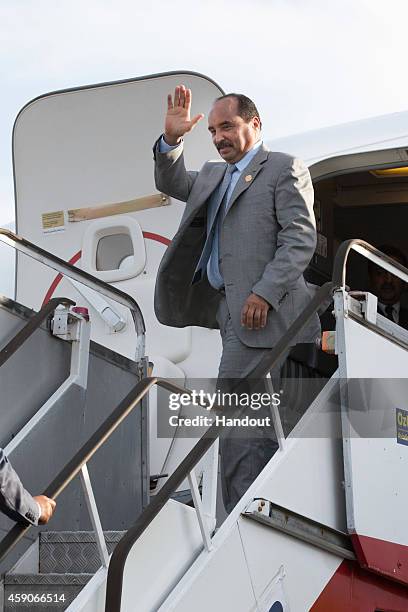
{"x": 391, "y": 251}
{"x": 246, "y": 108}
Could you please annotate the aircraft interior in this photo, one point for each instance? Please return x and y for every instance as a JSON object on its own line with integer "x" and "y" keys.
{"x": 369, "y": 204}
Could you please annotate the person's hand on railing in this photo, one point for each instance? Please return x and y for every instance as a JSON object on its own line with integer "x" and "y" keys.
{"x": 47, "y": 507}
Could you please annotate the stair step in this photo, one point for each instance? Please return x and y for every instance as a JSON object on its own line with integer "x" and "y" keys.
{"x": 72, "y": 552}
{"x": 48, "y": 592}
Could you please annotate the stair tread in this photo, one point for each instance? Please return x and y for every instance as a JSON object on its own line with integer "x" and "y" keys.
{"x": 35, "y": 579}
{"x": 78, "y": 536}
{"x": 73, "y": 551}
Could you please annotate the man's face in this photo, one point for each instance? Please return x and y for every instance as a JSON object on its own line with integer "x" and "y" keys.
{"x": 386, "y": 286}
{"x": 231, "y": 135}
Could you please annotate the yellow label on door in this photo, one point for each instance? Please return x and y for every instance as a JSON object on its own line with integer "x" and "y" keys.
{"x": 53, "y": 221}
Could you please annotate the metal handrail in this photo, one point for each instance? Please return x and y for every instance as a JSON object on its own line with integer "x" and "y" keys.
{"x": 340, "y": 261}
{"x": 125, "y": 407}
{"x": 28, "y": 329}
{"x": 66, "y": 269}
{"x": 86, "y": 452}
{"x": 272, "y": 357}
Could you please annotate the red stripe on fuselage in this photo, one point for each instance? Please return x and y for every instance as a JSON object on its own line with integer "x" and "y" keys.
{"x": 58, "y": 279}
{"x": 156, "y": 237}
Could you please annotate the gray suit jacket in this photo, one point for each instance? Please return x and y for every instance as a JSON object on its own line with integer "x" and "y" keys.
{"x": 267, "y": 239}
{"x": 15, "y": 501}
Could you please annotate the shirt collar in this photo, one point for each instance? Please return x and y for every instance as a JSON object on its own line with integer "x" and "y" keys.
{"x": 248, "y": 156}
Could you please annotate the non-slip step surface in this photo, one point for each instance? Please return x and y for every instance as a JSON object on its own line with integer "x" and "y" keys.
{"x": 73, "y": 552}
{"x": 37, "y": 592}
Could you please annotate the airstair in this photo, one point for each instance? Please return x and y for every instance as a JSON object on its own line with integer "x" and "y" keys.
{"x": 58, "y": 388}
{"x": 321, "y": 528}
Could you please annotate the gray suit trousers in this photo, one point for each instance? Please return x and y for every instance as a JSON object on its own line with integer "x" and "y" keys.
{"x": 244, "y": 452}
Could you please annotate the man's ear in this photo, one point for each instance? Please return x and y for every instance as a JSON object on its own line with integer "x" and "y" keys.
{"x": 256, "y": 122}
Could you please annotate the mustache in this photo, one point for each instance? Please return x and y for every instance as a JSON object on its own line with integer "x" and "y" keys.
{"x": 222, "y": 144}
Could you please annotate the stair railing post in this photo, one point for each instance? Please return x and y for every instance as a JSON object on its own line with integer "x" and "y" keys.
{"x": 74, "y": 327}
{"x": 198, "y": 505}
{"x": 275, "y": 414}
{"x": 94, "y": 516}
{"x": 210, "y": 482}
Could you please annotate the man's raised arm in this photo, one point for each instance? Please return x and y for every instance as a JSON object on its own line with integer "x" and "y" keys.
{"x": 170, "y": 173}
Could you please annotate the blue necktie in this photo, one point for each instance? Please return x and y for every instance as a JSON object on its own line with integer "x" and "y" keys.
{"x": 211, "y": 247}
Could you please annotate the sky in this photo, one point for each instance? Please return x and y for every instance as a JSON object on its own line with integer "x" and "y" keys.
{"x": 306, "y": 63}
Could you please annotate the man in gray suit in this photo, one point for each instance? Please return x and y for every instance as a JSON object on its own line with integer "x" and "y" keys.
{"x": 17, "y": 503}
{"x": 236, "y": 262}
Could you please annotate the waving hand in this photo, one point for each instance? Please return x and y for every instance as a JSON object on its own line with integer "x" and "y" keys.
{"x": 178, "y": 120}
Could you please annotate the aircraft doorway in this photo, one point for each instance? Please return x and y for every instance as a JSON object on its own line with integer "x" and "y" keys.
{"x": 363, "y": 196}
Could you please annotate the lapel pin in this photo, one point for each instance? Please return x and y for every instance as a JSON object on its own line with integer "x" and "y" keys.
{"x": 248, "y": 178}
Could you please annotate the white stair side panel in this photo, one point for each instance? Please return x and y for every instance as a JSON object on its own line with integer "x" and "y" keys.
{"x": 305, "y": 569}
{"x": 240, "y": 575}
{"x": 154, "y": 566}
{"x": 162, "y": 555}
{"x": 370, "y": 355}
{"x": 309, "y": 481}
{"x": 92, "y": 597}
{"x": 223, "y": 584}
{"x": 377, "y": 497}
{"x": 307, "y": 477}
